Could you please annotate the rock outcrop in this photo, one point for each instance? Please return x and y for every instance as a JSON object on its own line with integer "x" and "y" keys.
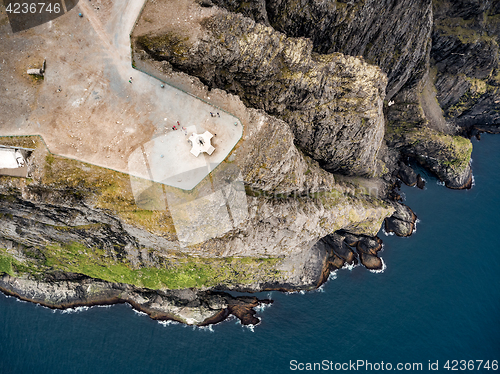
{"x": 77, "y": 218}
{"x": 333, "y": 102}
{"x": 402, "y": 222}
{"x": 68, "y": 290}
{"x": 340, "y": 246}
{"x": 466, "y": 56}
{"x": 393, "y": 35}
{"x": 335, "y": 95}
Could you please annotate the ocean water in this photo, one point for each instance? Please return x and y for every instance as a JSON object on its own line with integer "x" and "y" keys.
{"x": 438, "y": 300}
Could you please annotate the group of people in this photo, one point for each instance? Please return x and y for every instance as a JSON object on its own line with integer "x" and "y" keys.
{"x": 174, "y": 127}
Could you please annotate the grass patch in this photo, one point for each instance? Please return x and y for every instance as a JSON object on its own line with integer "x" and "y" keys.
{"x": 176, "y": 273}
{"x": 461, "y": 29}
{"x": 6, "y": 265}
{"x": 108, "y": 189}
{"x": 451, "y": 151}
{"x": 22, "y": 141}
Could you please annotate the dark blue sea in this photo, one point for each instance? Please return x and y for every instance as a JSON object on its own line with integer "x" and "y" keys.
{"x": 438, "y": 300}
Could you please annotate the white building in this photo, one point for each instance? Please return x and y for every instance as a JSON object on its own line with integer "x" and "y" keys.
{"x": 12, "y": 162}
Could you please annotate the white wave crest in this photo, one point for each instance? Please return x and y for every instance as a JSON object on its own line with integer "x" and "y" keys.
{"x": 415, "y": 226}
{"x": 384, "y": 266}
{"x": 473, "y": 181}
{"x": 139, "y": 312}
{"x": 387, "y": 233}
{"x": 75, "y": 310}
{"x": 207, "y": 328}
{"x": 350, "y": 266}
{"x": 333, "y": 275}
{"x": 168, "y": 322}
{"x": 319, "y": 289}
{"x": 250, "y": 327}
{"x": 262, "y": 306}
{"x": 438, "y": 182}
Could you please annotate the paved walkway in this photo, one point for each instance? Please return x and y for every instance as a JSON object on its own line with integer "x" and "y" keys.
{"x": 167, "y": 157}
{"x": 107, "y": 113}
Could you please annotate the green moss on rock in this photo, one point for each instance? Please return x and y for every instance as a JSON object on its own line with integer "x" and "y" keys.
{"x": 178, "y": 273}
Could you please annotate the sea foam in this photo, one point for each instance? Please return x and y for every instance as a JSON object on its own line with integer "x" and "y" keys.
{"x": 384, "y": 266}
{"x": 75, "y": 310}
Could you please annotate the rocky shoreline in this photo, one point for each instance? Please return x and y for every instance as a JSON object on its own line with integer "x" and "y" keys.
{"x": 201, "y": 308}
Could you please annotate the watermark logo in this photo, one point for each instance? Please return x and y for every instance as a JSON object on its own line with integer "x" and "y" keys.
{"x": 215, "y": 206}
{"x": 25, "y": 14}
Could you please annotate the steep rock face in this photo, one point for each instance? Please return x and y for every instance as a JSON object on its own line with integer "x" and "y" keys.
{"x": 402, "y": 222}
{"x": 332, "y": 102}
{"x": 78, "y": 218}
{"x": 416, "y": 128}
{"x": 271, "y": 163}
{"x": 390, "y": 34}
{"x": 466, "y": 56}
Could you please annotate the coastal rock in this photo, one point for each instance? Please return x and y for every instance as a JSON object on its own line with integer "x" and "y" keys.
{"x": 447, "y": 156}
{"x": 333, "y": 103}
{"x": 350, "y": 239}
{"x": 407, "y": 175}
{"x": 367, "y": 248}
{"x": 466, "y": 55}
{"x": 369, "y": 245}
{"x": 420, "y": 182}
{"x": 290, "y": 204}
{"x": 370, "y": 261}
{"x": 66, "y": 290}
{"x": 337, "y": 262}
{"x": 372, "y": 29}
{"x": 340, "y": 247}
{"x": 313, "y": 107}
{"x": 402, "y": 222}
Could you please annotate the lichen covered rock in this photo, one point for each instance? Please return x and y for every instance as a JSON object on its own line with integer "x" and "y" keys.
{"x": 333, "y": 103}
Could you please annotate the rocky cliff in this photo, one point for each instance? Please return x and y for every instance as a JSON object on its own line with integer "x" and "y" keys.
{"x": 336, "y": 97}
{"x": 332, "y": 102}
{"x": 465, "y": 56}
{"x": 75, "y": 218}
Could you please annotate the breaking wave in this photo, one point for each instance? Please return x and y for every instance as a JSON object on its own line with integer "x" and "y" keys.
{"x": 75, "y": 310}
{"x": 387, "y": 233}
{"x": 350, "y": 266}
{"x": 261, "y": 307}
{"x": 384, "y": 266}
{"x": 415, "y": 226}
{"x": 139, "y": 312}
{"x": 169, "y": 322}
{"x": 333, "y": 275}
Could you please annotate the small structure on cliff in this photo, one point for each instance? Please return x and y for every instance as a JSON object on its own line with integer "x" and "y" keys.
{"x": 13, "y": 161}
{"x": 201, "y": 143}
{"x": 168, "y": 158}
{"x": 39, "y": 72}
